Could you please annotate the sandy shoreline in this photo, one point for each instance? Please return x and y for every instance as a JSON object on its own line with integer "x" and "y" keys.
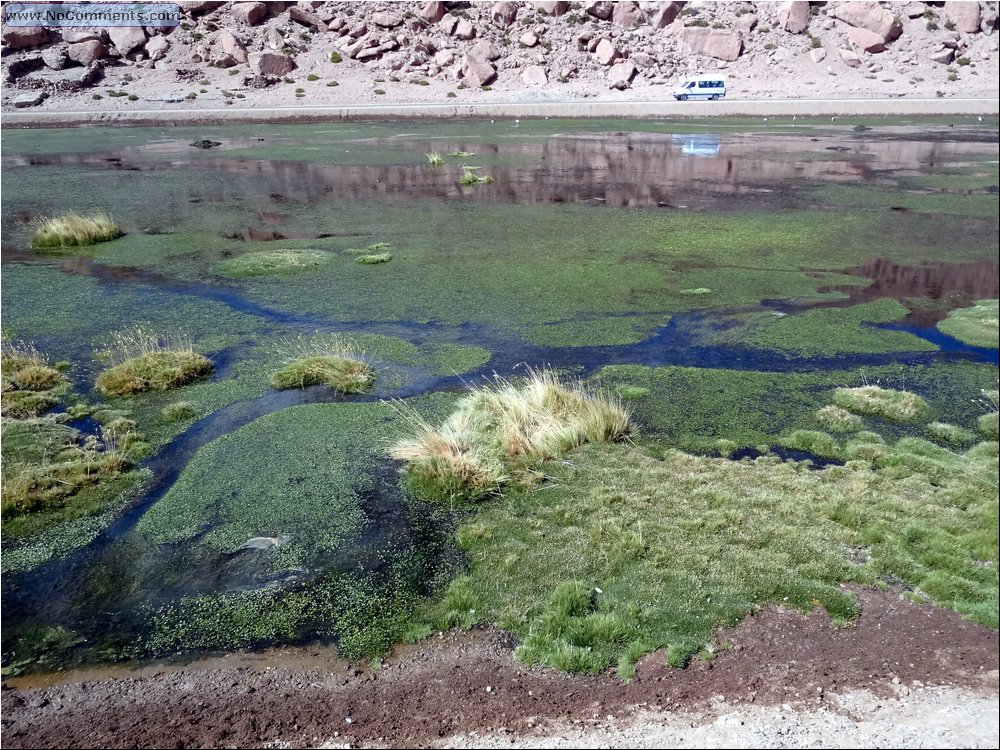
{"x": 647, "y": 109}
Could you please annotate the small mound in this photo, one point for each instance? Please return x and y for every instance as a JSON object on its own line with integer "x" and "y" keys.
{"x": 72, "y": 230}
{"x": 836, "y": 419}
{"x": 272, "y": 262}
{"x": 372, "y": 260}
{"x": 343, "y": 374}
{"x": 871, "y": 400}
{"x": 30, "y": 386}
{"x": 976, "y": 326}
{"x": 155, "y": 371}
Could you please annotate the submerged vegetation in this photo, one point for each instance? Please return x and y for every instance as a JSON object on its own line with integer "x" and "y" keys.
{"x": 501, "y": 432}
{"x": 268, "y": 262}
{"x": 373, "y": 260}
{"x": 333, "y": 361}
{"x": 469, "y": 177}
{"x": 977, "y": 326}
{"x": 72, "y": 230}
{"x": 143, "y": 361}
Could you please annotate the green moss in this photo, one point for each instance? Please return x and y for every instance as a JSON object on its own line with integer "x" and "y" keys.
{"x": 631, "y": 392}
{"x": 976, "y": 326}
{"x": 373, "y": 260}
{"x": 898, "y": 406}
{"x": 812, "y": 441}
{"x": 270, "y": 262}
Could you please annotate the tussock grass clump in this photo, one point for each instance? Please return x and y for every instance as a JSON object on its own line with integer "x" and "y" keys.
{"x": 181, "y": 411}
{"x": 631, "y": 392}
{"x": 469, "y": 177}
{"x": 30, "y": 386}
{"x": 268, "y": 262}
{"x": 836, "y": 419}
{"x": 812, "y": 441}
{"x": 977, "y": 326}
{"x": 373, "y": 260}
{"x": 435, "y": 159}
{"x": 333, "y": 361}
{"x": 144, "y": 361}
{"x": 872, "y": 400}
{"x": 500, "y": 432}
{"x": 949, "y": 433}
{"x": 373, "y": 249}
{"x": 988, "y": 423}
{"x": 72, "y": 230}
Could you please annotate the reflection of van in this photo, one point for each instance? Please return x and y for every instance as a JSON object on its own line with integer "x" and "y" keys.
{"x": 700, "y": 87}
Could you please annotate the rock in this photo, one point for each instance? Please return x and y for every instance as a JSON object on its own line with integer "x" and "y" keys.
{"x": 503, "y": 14}
{"x": 964, "y": 14}
{"x": 23, "y": 37}
{"x": 528, "y": 39}
{"x": 84, "y": 35}
{"x": 818, "y": 55}
{"x": 485, "y": 50}
{"x": 951, "y": 39}
{"x": 206, "y": 144}
{"x": 659, "y": 15}
{"x": 157, "y": 47}
{"x": 199, "y": 7}
{"x": 914, "y": 10}
{"x": 620, "y": 76}
{"x": 534, "y": 75}
{"x": 793, "y": 17}
{"x": 464, "y": 29}
{"x": 32, "y": 99}
{"x": 433, "y": 12}
{"x": 627, "y": 15}
{"x": 270, "y": 64}
{"x": 606, "y": 52}
{"x": 478, "y": 72}
{"x": 989, "y": 21}
{"x": 126, "y": 38}
{"x": 273, "y": 39}
{"x": 232, "y": 46}
{"x": 444, "y": 57}
{"x": 602, "y": 10}
{"x": 306, "y": 18}
{"x": 944, "y": 56}
{"x": 869, "y": 16}
{"x": 722, "y": 45}
{"x": 386, "y": 19}
{"x": 850, "y": 57}
{"x": 55, "y": 58}
{"x": 87, "y": 53}
{"x": 867, "y": 40}
{"x": 745, "y": 23}
{"x": 643, "y": 59}
{"x": 250, "y": 13}
{"x": 552, "y": 9}
{"x": 69, "y": 80}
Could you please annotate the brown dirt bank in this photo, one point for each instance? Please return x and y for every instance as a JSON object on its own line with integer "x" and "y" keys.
{"x": 460, "y": 683}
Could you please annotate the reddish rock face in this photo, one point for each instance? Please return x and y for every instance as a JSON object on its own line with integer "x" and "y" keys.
{"x": 87, "y": 53}
{"x": 22, "y": 37}
{"x": 722, "y": 45}
{"x": 250, "y": 13}
{"x": 270, "y": 64}
{"x": 794, "y": 16}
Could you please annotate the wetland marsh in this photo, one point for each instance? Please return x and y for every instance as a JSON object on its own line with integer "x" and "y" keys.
{"x": 749, "y": 294}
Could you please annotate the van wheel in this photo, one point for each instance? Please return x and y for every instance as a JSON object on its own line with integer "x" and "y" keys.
{"x": 715, "y": 97}
{"x": 682, "y": 98}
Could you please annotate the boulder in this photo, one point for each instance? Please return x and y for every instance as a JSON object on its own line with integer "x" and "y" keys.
{"x": 199, "y": 7}
{"x": 306, "y": 18}
{"x": 250, "y": 13}
{"x": 627, "y": 15}
{"x": 55, "y": 58}
{"x": 867, "y": 40}
{"x": 620, "y": 76}
{"x": 464, "y": 29}
{"x": 157, "y": 47}
{"x": 850, "y": 57}
{"x": 659, "y": 15}
{"x": 485, "y": 50}
{"x": 745, "y": 23}
{"x": 477, "y": 72}
{"x": 433, "y": 12}
{"x": 528, "y": 39}
{"x": 552, "y": 9}
{"x": 602, "y": 10}
{"x": 869, "y": 16}
{"x": 386, "y": 20}
{"x": 232, "y": 46}
{"x": 643, "y": 59}
{"x": 988, "y": 21}
{"x": 964, "y": 14}
{"x": 534, "y": 75}
{"x": 793, "y": 17}
{"x": 23, "y": 37}
{"x": 270, "y": 64}
{"x": 87, "y": 53}
{"x": 503, "y": 14}
{"x": 722, "y": 45}
{"x": 32, "y": 99}
{"x": 126, "y": 38}
{"x": 444, "y": 58}
{"x": 606, "y": 52}
{"x": 944, "y": 56}
{"x": 817, "y": 55}
{"x": 84, "y": 35}
{"x": 273, "y": 39}
{"x": 914, "y": 10}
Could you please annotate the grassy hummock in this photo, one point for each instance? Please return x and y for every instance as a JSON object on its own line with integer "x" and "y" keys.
{"x": 976, "y": 326}
{"x": 144, "y": 361}
{"x": 373, "y": 260}
{"x": 836, "y": 419}
{"x": 72, "y": 230}
{"x": 332, "y": 361}
{"x": 872, "y": 400}
{"x": 500, "y": 432}
{"x": 30, "y": 386}
{"x": 943, "y": 432}
{"x": 268, "y": 262}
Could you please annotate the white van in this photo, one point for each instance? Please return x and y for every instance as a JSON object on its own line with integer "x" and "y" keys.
{"x": 700, "y": 87}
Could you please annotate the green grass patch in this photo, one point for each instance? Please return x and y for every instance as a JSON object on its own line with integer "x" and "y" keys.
{"x": 179, "y": 411}
{"x": 812, "y": 441}
{"x": 74, "y": 230}
{"x": 988, "y": 425}
{"x": 500, "y": 432}
{"x": 373, "y": 260}
{"x": 873, "y": 400}
{"x": 835, "y": 419}
{"x": 950, "y": 434}
{"x": 976, "y": 326}
{"x": 30, "y": 386}
{"x": 333, "y": 361}
{"x": 146, "y": 361}
{"x": 435, "y": 159}
{"x": 273, "y": 262}
{"x": 631, "y": 392}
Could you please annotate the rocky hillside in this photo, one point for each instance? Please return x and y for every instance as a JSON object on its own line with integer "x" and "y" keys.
{"x": 283, "y": 52}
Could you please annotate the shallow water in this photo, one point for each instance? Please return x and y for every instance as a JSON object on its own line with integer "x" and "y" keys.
{"x": 592, "y": 247}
